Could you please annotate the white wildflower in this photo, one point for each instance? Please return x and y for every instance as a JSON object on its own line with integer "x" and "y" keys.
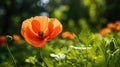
{"x": 59, "y": 56}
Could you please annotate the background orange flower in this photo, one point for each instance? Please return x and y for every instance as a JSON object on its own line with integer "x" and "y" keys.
{"x": 117, "y": 23}
{"x": 37, "y": 30}
{"x": 68, "y": 35}
{"x": 16, "y": 38}
{"x": 3, "y": 39}
{"x": 105, "y": 30}
{"x": 111, "y": 25}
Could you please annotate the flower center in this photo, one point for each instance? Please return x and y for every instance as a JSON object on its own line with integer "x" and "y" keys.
{"x": 40, "y": 34}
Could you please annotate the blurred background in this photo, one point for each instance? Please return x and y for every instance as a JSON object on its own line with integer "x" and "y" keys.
{"x": 73, "y": 14}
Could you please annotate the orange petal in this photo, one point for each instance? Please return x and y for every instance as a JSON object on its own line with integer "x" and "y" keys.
{"x": 55, "y": 32}
{"x": 36, "y": 26}
{"x": 55, "y": 27}
{"x": 49, "y": 30}
{"x": 43, "y": 20}
{"x": 33, "y": 39}
{"x": 24, "y": 26}
{"x": 55, "y": 22}
{"x": 50, "y": 25}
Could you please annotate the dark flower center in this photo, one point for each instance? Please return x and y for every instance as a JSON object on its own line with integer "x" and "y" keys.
{"x": 40, "y": 34}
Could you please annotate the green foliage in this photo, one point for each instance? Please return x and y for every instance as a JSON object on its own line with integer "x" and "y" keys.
{"x": 86, "y": 50}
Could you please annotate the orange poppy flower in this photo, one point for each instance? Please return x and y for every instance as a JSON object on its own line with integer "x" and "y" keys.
{"x": 16, "y": 38}
{"x": 117, "y": 23}
{"x": 105, "y": 30}
{"x": 3, "y": 39}
{"x": 37, "y": 30}
{"x": 111, "y": 25}
{"x": 68, "y": 35}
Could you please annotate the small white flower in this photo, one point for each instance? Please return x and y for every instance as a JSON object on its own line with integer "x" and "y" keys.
{"x": 81, "y": 48}
{"x": 59, "y": 56}
{"x": 62, "y": 56}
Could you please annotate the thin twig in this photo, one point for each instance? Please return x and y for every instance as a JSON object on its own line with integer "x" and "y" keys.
{"x": 11, "y": 56}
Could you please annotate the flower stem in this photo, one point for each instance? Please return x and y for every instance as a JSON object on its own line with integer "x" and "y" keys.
{"x": 40, "y": 58}
{"x": 11, "y": 56}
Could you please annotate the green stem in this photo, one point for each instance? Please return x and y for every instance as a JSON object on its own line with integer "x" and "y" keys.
{"x": 39, "y": 53}
{"x": 11, "y": 56}
{"x": 39, "y": 56}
